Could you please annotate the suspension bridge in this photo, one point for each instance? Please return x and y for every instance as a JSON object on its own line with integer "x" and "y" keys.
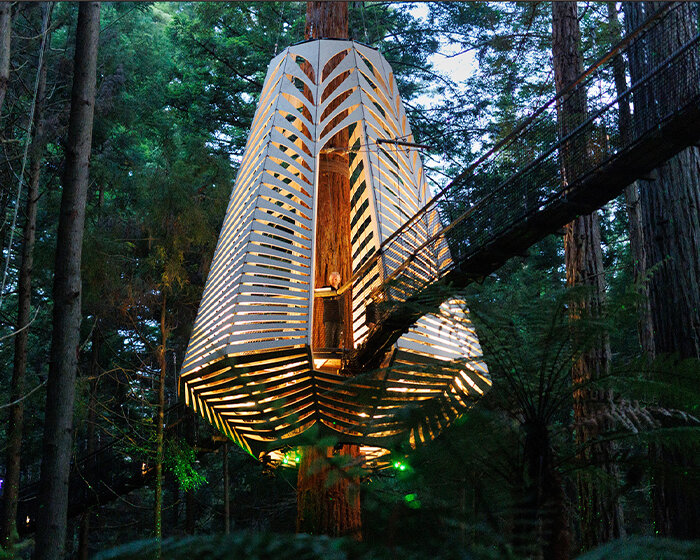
{"x": 614, "y": 146}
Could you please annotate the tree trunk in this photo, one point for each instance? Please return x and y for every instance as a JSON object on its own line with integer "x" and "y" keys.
{"x": 15, "y": 427}
{"x": 60, "y": 395}
{"x": 670, "y": 208}
{"x": 541, "y": 529}
{"x": 671, "y": 221}
{"x": 601, "y": 514}
{"x": 91, "y": 447}
{"x": 5, "y": 44}
{"x": 328, "y": 498}
{"x": 634, "y": 214}
{"x": 333, "y": 241}
{"x": 326, "y": 20}
{"x": 160, "y": 420}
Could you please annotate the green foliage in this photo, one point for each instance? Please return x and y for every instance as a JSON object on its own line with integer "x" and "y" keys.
{"x": 520, "y": 435}
{"x": 648, "y": 548}
{"x": 181, "y": 460}
{"x": 268, "y": 546}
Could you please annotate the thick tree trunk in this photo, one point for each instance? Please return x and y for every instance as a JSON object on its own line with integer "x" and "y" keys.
{"x": 160, "y": 421}
{"x": 326, "y": 20}
{"x": 333, "y": 244}
{"x": 15, "y": 425}
{"x": 58, "y": 422}
{"x": 670, "y": 208}
{"x": 601, "y": 514}
{"x": 328, "y": 498}
{"x": 5, "y": 43}
{"x": 671, "y": 217}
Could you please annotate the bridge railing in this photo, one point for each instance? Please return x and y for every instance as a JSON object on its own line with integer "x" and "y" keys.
{"x": 522, "y": 175}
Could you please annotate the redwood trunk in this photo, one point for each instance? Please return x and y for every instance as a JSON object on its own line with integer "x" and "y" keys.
{"x": 601, "y": 514}
{"x": 15, "y": 427}
{"x": 328, "y": 498}
{"x": 60, "y": 394}
{"x": 541, "y": 527}
{"x": 670, "y": 208}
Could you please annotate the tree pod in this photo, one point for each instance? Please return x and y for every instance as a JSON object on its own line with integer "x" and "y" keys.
{"x": 253, "y": 366}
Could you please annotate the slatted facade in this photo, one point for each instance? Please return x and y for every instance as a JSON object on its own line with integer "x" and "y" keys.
{"x": 249, "y": 367}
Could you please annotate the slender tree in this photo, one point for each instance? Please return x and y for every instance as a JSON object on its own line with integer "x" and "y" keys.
{"x": 5, "y": 43}
{"x": 160, "y": 419}
{"x": 227, "y": 492}
{"x": 90, "y": 436}
{"x": 634, "y": 214}
{"x": 601, "y": 514}
{"x": 8, "y": 528}
{"x": 58, "y": 424}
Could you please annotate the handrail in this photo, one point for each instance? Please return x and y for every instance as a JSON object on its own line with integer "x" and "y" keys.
{"x": 516, "y": 133}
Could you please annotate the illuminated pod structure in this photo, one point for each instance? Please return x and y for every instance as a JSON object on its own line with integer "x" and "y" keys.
{"x": 251, "y": 368}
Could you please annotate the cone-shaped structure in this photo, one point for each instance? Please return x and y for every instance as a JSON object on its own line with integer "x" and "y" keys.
{"x": 251, "y": 368}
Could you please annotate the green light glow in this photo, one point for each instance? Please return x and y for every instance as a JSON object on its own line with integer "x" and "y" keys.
{"x": 291, "y": 458}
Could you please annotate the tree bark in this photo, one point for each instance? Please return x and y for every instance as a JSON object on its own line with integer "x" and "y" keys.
{"x": 328, "y": 498}
{"x": 15, "y": 427}
{"x": 634, "y": 215}
{"x": 5, "y": 44}
{"x": 90, "y": 436}
{"x": 670, "y": 208}
{"x": 601, "y": 514}
{"x": 58, "y": 422}
{"x": 333, "y": 241}
{"x": 326, "y": 20}
{"x": 671, "y": 220}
